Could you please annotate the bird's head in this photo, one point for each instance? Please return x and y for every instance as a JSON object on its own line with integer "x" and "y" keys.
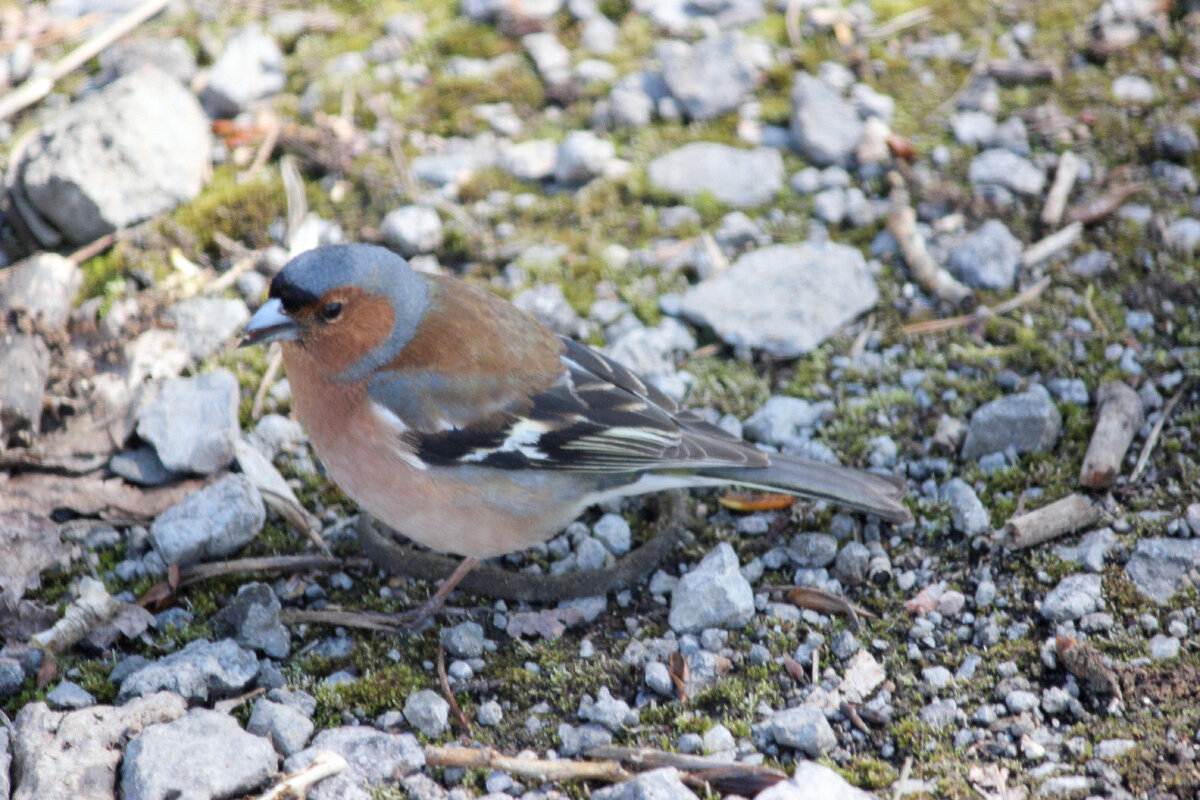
{"x": 351, "y": 308}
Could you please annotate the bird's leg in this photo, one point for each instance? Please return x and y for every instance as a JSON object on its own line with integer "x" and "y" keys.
{"x": 417, "y": 617}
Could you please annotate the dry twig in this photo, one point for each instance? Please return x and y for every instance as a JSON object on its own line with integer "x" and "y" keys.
{"x": 1120, "y": 416}
{"x": 326, "y": 764}
{"x": 535, "y": 768}
{"x": 445, "y": 681}
{"x": 1064, "y": 180}
{"x": 268, "y": 379}
{"x": 981, "y": 314}
{"x": 902, "y": 222}
{"x": 1049, "y": 522}
{"x": 1152, "y": 439}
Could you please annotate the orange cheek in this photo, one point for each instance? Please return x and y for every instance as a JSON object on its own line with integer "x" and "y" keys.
{"x": 340, "y": 345}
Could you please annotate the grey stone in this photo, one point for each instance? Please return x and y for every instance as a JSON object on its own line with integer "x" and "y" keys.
{"x": 1019, "y": 700}
{"x": 803, "y": 728}
{"x": 651, "y": 353}
{"x": 590, "y": 554}
{"x": 936, "y": 677}
{"x": 967, "y": 513}
{"x": 172, "y": 56}
{"x": 44, "y": 286}
{"x": 201, "y": 671}
{"x": 1074, "y": 596}
{"x": 850, "y": 566}
{"x": 487, "y": 10}
{"x": 574, "y": 740}
{"x": 490, "y": 714}
{"x": 250, "y": 68}
{"x": 531, "y": 160}
{"x": 1164, "y": 647}
{"x": 287, "y": 728}
{"x": 1093, "y": 264}
{"x": 203, "y": 754}
{"x": 1109, "y": 749}
{"x": 214, "y": 522}
{"x": 426, "y": 711}
{"x": 734, "y": 176}
{"x": 1069, "y": 390}
{"x": 1133, "y": 90}
{"x": 456, "y": 161}
{"x": 12, "y": 677}
{"x": 127, "y": 153}
{"x": 713, "y": 76}
{"x": 802, "y": 295}
{"x": 658, "y": 678}
{"x": 1182, "y": 236}
{"x": 193, "y": 424}
{"x": 551, "y": 59}
{"x": 987, "y": 258}
{"x": 811, "y": 550}
{"x": 1091, "y": 550}
{"x": 607, "y": 711}
{"x": 412, "y": 230}
{"x": 657, "y": 784}
{"x": 142, "y": 466}
{"x": 549, "y": 305}
{"x": 614, "y": 532}
{"x": 825, "y": 128}
{"x": 1027, "y": 423}
{"x": 252, "y": 620}
{"x": 998, "y": 167}
{"x": 813, "y": 781}
{"x": 830, "y": 205}
{"x": 204, "y": 324}
{"x": 713, "y": 595}
{"x": 1159, "y": 567}
{"x": 973, "y": 128}
{"x": 464, "y": 640}
{"x": 68, "y": 696}
{"x": 582, "y": 156}
{"x": 372, "y": 757}
{"x": 783, "y": 420}
{"x": 72, "y": 755}
{"x": 939, "y": 713}
{"x": 303, "y": 702}
{"x": 1176, "y": 140}
{"x": 1055, "y": 700}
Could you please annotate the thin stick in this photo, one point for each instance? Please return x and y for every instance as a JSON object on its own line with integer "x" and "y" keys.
{"x": 347, "y": 619}
{"x": 538, "y": 769}
{"x": 35, "y": 89}
{"x": 1119, "y": 415}
{"x": 898, "y": 24}
{"x": 268, "y": 379}
{"x": 902, "y": 223}
{"x": 905, "y": 771}
{"x": 1064, "y": 180}
{"x": 980, "y": 67}
{"x": 274, "y": 129}
{"x": 445, "y": 680}
{"x": 1049, "y": 522}
{"x": 980, "y": 315}
{"x": 1152, "y": 439}
{"x": 326, "y": 764}
{"x": 201, "y": 572}
{"x": 1052, "y": 245}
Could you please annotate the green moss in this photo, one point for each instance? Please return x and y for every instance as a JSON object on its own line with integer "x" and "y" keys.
{"x": 242, "y": 210}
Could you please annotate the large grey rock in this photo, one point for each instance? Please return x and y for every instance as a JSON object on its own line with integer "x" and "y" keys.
{"x": 582, "y": 156}
{"x": 1027, "y": 423}
{"x": 713, "y": 76}
{"x": 72, "y": 755}
{"x": 825, "y": 127}
{"x": 133, "y": 150}
{"x": 736, "y": 177}
{"x": 426, "y": 711}
{"x": 1160, "y": 567}
{"x": 193, "y": 424}
{"x": 967, "y": 513}
{"x": 250, "y": 68}
{"x": 784, "y": 299}
{"x": 201, "y": 671}
{"x": 215, "y": 522}
{"x": 412, "y": 230}
{"x": 607, "y": 711}
{"x": 987, "y": 258}
{"x": 287, "y": 728}
{"x": 44, "y": 285}
{"x": 203, "y": 755}
{"x": 812, "y": 781}
{"x": 204, "y": 324}
{"x": 656, "y": 784}
{"x": 803, "y": 728}
{"x": 531, "y": 160}
{"x": 713, "y": 595}
{"x": 371, "y": 756}
{"x": 252, "y": 620}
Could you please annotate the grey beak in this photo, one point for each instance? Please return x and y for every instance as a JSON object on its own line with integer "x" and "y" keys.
{"x": 269, "y": 324}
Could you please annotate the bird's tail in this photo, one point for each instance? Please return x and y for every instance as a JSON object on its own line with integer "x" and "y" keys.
{"x": 843, "y": 486}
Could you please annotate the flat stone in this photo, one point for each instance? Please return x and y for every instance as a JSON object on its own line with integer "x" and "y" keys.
{"x": 193, "y": 424}
{"x": 825, "y": 127}
{"x": 427, "y": 712}
{"x": 201, "y": 671}
{"x": 1091, "y": 550}
{"x": 204, "y": 324}
{"x": 201, "y": 755}
{"x": 1159, "y": 567}
{"x": 657, "y": 784}
{"x": 803, "y": 728}
{"x": 133, "y": 150}
{"x": 713, "y": 595}
{"x": 69, "y": 696}
{"x": 967, "y": 513}
{"x": 1075, "y": 596}
{"x": 812, "y": 781}
{"x": 214, "y": 522}
{"x": 250, "y": 68}
{"x": 286, "y": 727}
{"x": 71, "y": 755}
{"x": 734, "y": 176}
{"x": 1003, "y": 168}
{"x": 987, "y": 258}
{"x": 582, "y": 155}
{"x": 142, "y": 466}
{"x": 372, "y": 757}
{"x": 713, "y": 76}
{"x": 1027, "y": 423}
{"x": 802, "y": 295}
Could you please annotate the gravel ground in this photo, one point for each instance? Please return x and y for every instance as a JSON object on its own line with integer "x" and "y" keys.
{"x": 951, "y": 242}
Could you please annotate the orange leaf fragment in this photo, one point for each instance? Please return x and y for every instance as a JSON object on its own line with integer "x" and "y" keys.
{"x": 756, "y": 502}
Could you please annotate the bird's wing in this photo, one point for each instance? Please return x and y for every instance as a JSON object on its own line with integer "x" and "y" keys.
{"x": 597, "y": 416}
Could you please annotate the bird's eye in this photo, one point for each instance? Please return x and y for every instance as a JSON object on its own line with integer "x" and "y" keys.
{"x": 331, "y": 311}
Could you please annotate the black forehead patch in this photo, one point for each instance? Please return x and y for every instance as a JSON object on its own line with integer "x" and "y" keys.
{"x": 290, "y": 295}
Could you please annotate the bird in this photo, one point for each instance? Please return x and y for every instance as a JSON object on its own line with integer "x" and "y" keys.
{"x": 468, "y": 426}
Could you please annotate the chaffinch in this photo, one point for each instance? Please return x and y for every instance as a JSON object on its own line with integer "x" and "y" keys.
{"x": 468, "y": 426}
